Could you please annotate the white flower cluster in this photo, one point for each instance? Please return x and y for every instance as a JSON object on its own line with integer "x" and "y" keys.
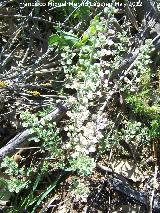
{"x": 84, "y": 134}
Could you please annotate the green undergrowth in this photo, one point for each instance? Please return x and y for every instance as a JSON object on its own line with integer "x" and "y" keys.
{"x": 96, "y": 123}
{"x": 145, "y": 104}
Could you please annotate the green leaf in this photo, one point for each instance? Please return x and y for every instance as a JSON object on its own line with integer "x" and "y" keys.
{"x": 70, "y": 36}
{"x": 45, "y": 193}
{"x": 93, "y": 29}
{"x": 30, "y": 199}
{"x": 54, "y": 39}
{"x": 85, "y": 38}
{"x": 63, "y": 39}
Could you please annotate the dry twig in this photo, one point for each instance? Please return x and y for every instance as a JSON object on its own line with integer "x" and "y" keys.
{"x": 22, "y": 137}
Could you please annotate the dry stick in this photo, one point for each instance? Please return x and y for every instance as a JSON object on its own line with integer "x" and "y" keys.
{"x": 39, "y": 60}
{"x": 25, "y": 55}
{"x": 44, "y": 96}
{"x": 154, "y": 177}
{"x": 29, "y": 70}
{"x": 28, "y": 17}
{"x": 9, "y": 57}
{"x": 11, "y": 40}
{"x": 21, "y": 138}
{"x": 10, "y": 43}
{"x": 153, "y": 190}
{"x": 129, "y": 61}
{"x": 131, "y": 16}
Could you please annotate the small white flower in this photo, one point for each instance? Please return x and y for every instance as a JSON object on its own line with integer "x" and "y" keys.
{"x": 110, "y": 42}
{"x": 106, "y": 83}
{"x": 66, "y": 128}
{"x": 85, "y": 100}
{"x": 111, "y": 32}
{"x": 127, "y": 80}
{"x": 99, "y": 135}
{"x": 101, "y": 74}
{"x": 99, "y": 93}
{"x": 94, "y": 140}
{"x": 69, "y": 134}
{"x": 72, "y": 100}
{"x": 92, "y": 149}
{"x": 108, "y": 52}
{"x": 67, "y": 146}
{"x": 75, "y": 154}
{"x": 84, "y": 141}
{"x": 97, "y": 44}
{"x": 69, "y": 113}
{"x": 90, "y": 95}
